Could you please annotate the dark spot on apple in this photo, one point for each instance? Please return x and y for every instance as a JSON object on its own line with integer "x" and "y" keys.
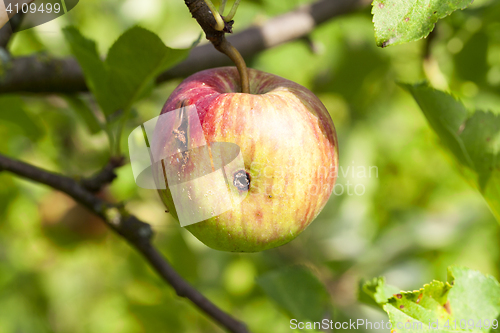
{"x": 270, "y": 196}
{"x": 259, "y": 217}
{"x": 401, "y": 306}
{"x": 241, "y": 180}
{"x": 435, "y": 12}
{"x": 399, "y": 296}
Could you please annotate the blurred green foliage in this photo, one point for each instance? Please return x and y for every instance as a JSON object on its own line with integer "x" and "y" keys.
{"x": 412, "y": 216}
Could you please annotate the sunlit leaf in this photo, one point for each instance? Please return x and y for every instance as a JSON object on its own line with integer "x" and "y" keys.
{"x": 96, "y": 73}
{"x": 376, "y": 291}
{"x": 401, "y": 21}
{"x": 129, "y": 70}
{"x": 134, "y": 61}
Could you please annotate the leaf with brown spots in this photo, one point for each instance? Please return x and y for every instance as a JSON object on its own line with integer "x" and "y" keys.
{"x": 467, "y": 294}
{"x": 402, "y": 21}
{"x": 376, "y": 292}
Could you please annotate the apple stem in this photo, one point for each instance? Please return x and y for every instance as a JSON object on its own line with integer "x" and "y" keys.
{"x": 233, "y": 54}
{"x": 204, "y": 12}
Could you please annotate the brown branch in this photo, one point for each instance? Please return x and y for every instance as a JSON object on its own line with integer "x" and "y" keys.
{"x": 137, "y": 233}
{"x": 106, "y": 176}
{"x": 39, "y": 75}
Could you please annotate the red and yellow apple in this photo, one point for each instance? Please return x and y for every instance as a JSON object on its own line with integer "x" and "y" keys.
{"x": 290, "y": 157}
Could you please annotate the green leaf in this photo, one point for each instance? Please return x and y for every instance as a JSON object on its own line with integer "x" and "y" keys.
{"x": 480, "y": 135}
{"x": 376, "y": 291}
{"x": 401, "y": 21}
{"x": 445, "y": 115}
{"x": 135, "y": 60}
{"x": 13, "y": 110}
{"x": 129, "y": 70}
{"x": 298, "y": 291}
{"x": 474, "y": 140}
{"x": 468, "y": 295}
{"x": 473, "y": 295}
{"x": 96, "y": 73}
{"x": 420, "y": 307}
{"x": 84, "y": 111}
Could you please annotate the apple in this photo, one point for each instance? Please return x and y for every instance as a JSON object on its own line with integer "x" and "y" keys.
{"x": 289, "y": 151}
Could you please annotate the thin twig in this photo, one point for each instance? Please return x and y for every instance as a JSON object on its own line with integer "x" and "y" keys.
{"x": 231, "y": 14}
{"x": 218, "y": 19}
{"x": 106, "y": 176}
{"x": 222, "y": 6}
{"x": 136, "y": 232}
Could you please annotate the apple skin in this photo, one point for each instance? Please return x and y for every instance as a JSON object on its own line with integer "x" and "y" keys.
{"x": 289, "y": 147}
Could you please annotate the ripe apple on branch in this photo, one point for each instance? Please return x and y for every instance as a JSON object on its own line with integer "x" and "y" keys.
{"x": 287, "y": 140}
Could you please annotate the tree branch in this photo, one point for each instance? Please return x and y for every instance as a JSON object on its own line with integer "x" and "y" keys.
{"x": 106, "y": 176}
{"x": 38, "y": 75}
{"x": 42, "y": 74}
{"x": 137, "y": 233}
